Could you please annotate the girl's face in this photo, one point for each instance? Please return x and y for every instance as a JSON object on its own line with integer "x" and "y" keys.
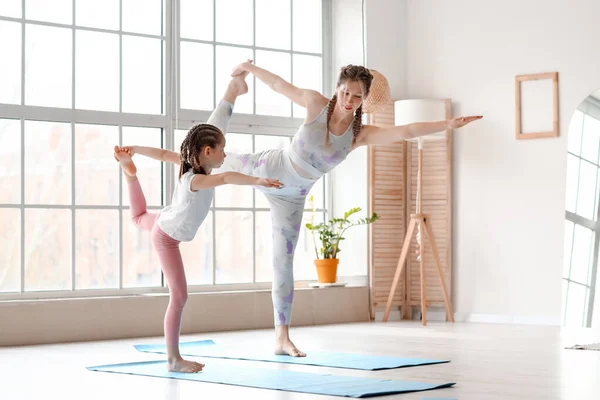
{"x": 213, "y": 157}
{"x": 349, "y": 96}
{"x": 217, "y": 155}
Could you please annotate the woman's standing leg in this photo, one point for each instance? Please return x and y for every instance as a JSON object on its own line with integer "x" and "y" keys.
{"x": 286, "y": 219}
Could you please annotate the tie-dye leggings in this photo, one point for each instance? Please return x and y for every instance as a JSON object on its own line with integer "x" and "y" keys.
{"x": 286, "y": 204}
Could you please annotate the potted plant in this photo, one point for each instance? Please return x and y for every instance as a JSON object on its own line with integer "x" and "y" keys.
{"x": 330, "y": 235}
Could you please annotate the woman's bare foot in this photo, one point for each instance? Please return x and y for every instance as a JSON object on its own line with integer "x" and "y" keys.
{"x": 124, "y": 158}
{"x": 287, "y": 348}
{"x": 181, "y": 365}
{"x": 237, "y": 87}
{"x": 283, "y": 344}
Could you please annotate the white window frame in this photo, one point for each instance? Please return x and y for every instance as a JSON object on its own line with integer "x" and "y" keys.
{"x": 594, "y": 226}
{"x": 173, "y": 118}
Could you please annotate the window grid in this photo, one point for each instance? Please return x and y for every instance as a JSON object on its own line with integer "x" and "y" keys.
{"x": 23, "y": 113}
{"x": 590, "y": 285}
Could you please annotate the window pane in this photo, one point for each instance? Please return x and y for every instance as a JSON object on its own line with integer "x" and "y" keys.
{"x": 142, "y": 75}
{"x": 575, "y": 130}
{"x": 11, "y": 8}
{"x": 48, "y": 83}
{"x": 96, "y": 249}
{"x": 234, "y": 227}
{"x": 235, "y": 195}
{"x": 234, "y": 21}
{"x": 198, "y": 255}
{"x": 308, "y": 74}
{"x": 141, "y": 267}
{"x": 318, "y": 193}
{"x": 96, "y": 171}
{"x": 227, "y": 59}
{"x": 10, "y": 67}
{"x": 569, "y": 226}
{"x": 307, "y": 13}
{"x": 196, "y": 19}
{"x": 47, "y": 249}
{"x": 572, "y": 182}
{"x": 97, "y": 71}
{"x": 267, "y": 142}
{"x": 273, "y": 24}
{"x": 304, "y": 266}
{"x": 149, "y": 171}
{"x": 47, "y": 163}
{"x": 58, "y": 11}
{"x": 10, "y": 249}
{"x": 591, "y": 139}
{"x": 586, "y": 197}
{"x": 177, "y": 140}
{"x": 142, "y": 16}
{"x": 269, "y": 102}
{"x": 576, "y": 298}
{"x": 196, "y": 76}
{"x": 264, "y": 246}
{"x": 103, "y": 14}
{"x": 582, "y": 248}
{"x": 10, "y": 161}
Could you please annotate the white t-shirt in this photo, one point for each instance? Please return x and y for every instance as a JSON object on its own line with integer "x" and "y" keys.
{"x": 182, "y": 218}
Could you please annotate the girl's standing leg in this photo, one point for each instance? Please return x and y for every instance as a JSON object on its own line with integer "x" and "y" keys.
{"x": 171, "y": 263}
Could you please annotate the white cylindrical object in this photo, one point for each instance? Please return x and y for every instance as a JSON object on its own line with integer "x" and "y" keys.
{"x": 420, "y": 110}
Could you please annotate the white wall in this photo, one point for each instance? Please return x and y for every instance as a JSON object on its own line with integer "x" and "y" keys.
{"x": 351, "y": 177}
{"x": 509, "y": 196}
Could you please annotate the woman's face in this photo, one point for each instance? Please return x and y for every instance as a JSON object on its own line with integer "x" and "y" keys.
{"x": 349, "y": 96}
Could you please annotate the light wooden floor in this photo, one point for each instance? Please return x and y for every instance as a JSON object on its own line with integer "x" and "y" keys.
{"x": 487, "y": 362}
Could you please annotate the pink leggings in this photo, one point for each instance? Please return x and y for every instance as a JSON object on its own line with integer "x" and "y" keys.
{"x": 171, "y": 262}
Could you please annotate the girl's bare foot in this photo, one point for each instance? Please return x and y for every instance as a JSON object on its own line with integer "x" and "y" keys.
{"x": 124, "y": 158}
{"x": 181, "y": 365}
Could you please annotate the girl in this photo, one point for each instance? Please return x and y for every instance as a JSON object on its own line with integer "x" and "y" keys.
{"x": 201, "y": 151}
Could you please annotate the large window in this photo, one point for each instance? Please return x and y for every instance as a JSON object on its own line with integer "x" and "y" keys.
{"x": 582, "y": 228}
{"x": 79, "y": 76}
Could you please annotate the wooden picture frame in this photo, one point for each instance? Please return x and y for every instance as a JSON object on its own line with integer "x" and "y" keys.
{"x": 520, "y": 135}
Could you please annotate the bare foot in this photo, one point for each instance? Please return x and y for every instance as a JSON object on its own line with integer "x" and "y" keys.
{"x": 181, "y": 365}
{"x": 287, "y": 348}
{"x": 124, "y": 158}
{"x": 239, "y": 85}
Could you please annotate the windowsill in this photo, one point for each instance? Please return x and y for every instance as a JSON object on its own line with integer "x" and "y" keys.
{"x": 38, "y": 321}
{"x": 350, "y": 281}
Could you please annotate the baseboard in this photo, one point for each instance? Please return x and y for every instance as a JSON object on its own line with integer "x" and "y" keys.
{"x": 439, "y": 314}
{"x": 32, "y": 322}
{"x": 507, "y": 319}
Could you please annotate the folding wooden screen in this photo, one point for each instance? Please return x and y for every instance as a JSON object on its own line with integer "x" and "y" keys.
{"x": 392, "y": 195}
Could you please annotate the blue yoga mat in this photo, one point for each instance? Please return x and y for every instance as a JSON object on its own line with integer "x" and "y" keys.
{"x": 208, "y": 348}
{"x": 263, "y": 378}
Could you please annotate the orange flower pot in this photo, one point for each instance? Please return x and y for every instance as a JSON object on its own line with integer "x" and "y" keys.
{"x": 327, "y": 269}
